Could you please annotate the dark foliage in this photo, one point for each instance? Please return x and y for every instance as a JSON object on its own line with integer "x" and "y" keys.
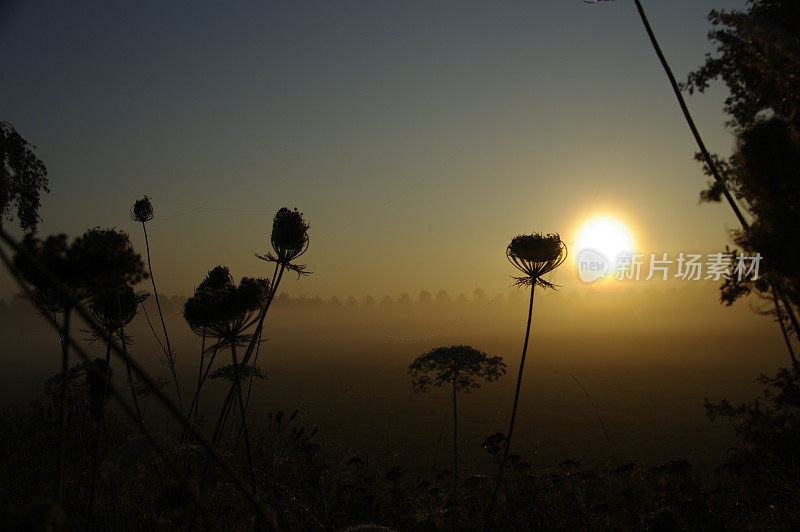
{"x": 23, "y": 177}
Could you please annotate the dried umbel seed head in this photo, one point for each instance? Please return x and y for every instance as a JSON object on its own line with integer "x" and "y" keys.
{"x": 104, "y": 260}
{"x": 142, "y": 210}
{"x": 535, "y": 255}
{"x": 114, "y": 308}
{"x": 289, "y": 234}
{"x": 225, "y": 311}
{"x": 46, "y": 301}
{"x": 217, "y": 278}
{"x": 535, "y": 247}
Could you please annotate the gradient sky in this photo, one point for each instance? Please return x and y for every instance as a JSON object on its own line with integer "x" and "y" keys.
{"x": 417, "y": 137}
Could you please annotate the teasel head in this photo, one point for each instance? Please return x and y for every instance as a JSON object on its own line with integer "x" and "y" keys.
{"x": 289, "y": 239}
{"x": 221, "y": 309}
{"x": 142, "y": 210}
{"x": 536, "y": 255}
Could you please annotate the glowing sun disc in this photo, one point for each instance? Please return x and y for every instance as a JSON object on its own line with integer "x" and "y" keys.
{"x": 606, "y": 235}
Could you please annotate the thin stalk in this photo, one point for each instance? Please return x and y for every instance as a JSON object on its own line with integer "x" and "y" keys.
{"x": 130, "y": 376}
{"x": 170, "y": 354}
{"x": 244, "y": 417}
{"x": 95, "y": 461}
{"x": 513, "y": 415}
{"x": 199, "y": 372}
{"x": 600, "y": 419}
{"x": 128, "y": 366}
{"x": 152, "y": 329}
{"x": 455, "y": 451}
{"x": 62, "y": 409}
{"x": 698, "y": 139}
{"x": 438, "y": 442}
{"x": 223, "y": 415}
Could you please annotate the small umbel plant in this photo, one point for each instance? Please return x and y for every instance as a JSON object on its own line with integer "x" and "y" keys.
{"x": 534, "y": 255}
{"x": 462, "y": 368}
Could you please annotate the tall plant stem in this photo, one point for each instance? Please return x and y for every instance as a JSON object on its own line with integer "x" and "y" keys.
{"x": 62, "y": 408}
{"x": 455, "y": 451}
{"x": 244, "y": 418}
{"x": 130, "y": 374}
{"x": 169, "y": 353}
{"x": 127, "y": 365}
{"x": 513, "y": 416}
{"x": 707, "y": 157}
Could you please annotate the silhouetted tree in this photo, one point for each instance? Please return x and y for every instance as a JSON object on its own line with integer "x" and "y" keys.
{"x": 757, "y": 56}
{"x": 479, "y": 296}
{"x": 461, "y": 367}
{"x": 23, "y": 177}
{"x": 534, "y": 255}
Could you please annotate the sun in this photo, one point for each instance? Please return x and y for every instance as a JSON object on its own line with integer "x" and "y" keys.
{"x": 605, "y": 234}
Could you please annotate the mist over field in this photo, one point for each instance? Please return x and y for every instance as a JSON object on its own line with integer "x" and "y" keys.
{"x": 646, "y": 363}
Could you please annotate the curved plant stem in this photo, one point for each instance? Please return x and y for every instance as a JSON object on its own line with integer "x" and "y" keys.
{"x": 130, "y": 375}
{"x": 169, "y": 353}
{"x": 152, "y": 329}
{"x": 513, "y": 416}
{"x": 62, "y": 408}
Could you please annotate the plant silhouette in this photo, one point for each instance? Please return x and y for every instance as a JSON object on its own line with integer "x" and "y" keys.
{"x": 461, "y": 367}
{"x": 222, "y": 310}
{"x": 289, "y": 239}
{"x": 534, "y": 255}
{"x": 142, "y": 212}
